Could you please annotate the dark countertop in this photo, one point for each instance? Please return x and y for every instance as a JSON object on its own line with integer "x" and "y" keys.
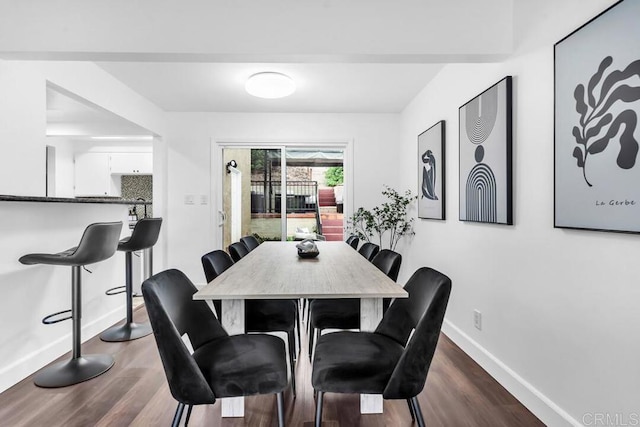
{"x": 105, "y": 200}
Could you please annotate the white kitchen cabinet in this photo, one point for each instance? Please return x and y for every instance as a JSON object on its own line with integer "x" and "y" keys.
{"x": 92, "y": 176}
{"x": 132, "y": 163}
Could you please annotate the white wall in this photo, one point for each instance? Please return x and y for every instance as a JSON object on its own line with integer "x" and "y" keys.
{"x": 559, "y": 307}
{"x": 22, "y": 129}
{"x": 64, "y": 166}
{"x": 189, "y": 138}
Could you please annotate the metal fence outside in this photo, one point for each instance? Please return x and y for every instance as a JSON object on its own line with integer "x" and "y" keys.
{"x": 301, "y": 196}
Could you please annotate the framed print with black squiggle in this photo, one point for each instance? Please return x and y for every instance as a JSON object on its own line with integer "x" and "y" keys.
{"x": 597, "y": 103}
{"x": 431, "y": 164}
{"x": 485, "y": 156}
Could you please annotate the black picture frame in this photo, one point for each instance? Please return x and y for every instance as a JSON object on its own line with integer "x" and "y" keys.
{"x": 485, "y": 157}
{"x": 431, "y": 172}
{"x": 596, "y": 108}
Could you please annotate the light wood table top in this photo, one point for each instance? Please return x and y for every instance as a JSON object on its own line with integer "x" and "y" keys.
{"x": 275, "y": 271}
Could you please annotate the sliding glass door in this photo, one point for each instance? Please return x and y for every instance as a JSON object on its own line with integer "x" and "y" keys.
{"x": 303, "y": 202}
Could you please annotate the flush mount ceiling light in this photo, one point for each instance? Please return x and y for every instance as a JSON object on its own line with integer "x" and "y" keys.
{"x": 270, "y": 85}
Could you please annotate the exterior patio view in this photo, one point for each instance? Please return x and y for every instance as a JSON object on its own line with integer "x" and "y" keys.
{"x": 313, "y": 194}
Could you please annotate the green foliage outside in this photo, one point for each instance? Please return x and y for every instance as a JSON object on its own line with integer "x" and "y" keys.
{"x": 334, "y": 176}
{"x": 258, "y": 161}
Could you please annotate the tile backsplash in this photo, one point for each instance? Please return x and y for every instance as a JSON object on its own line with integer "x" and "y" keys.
{"x": 138, "y": 186}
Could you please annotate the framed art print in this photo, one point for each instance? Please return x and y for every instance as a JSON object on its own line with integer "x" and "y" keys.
{"x": 431, "y": 172}
{"x": 485, "y": 156}
{"x": 597, "y": 103}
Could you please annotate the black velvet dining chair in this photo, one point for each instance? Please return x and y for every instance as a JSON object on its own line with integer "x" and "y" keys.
{"x": 389, "y": 361}
{"x": 250, "y": 242}
{"x": 369, "y": 250}
{"x": 269, "y": 315}
{"x": 238, "y": 250}
{"x": 353, "y": 241}
{"x": 213, "y": 264}
{"x": 344, "y": 313}
{"x": 220, "y": 365}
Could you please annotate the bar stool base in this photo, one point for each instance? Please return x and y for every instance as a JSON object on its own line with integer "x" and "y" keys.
{"x": 74, "y": 371}
{"x": 126, "y": 332}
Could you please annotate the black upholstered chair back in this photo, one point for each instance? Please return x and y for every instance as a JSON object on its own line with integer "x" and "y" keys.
{"x": 424, "y": 310}
{"x": 145, "y": 235}
{"x": 369, "y": 250}
{"x": 99, "y": 242}
{"x": 353, "y": 241}
{"x": 250, "y": 242}
{"x": 237, "y": 251}
{"x": 168, "y": 298}
{"x": 215, "y": 263}
{"x": 388, "y": 262}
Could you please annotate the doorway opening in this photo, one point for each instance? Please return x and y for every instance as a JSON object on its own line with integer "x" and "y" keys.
{"x": 306, "y": 201}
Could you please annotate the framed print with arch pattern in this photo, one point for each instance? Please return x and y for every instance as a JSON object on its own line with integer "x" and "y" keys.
{"x": 485, "y": 127}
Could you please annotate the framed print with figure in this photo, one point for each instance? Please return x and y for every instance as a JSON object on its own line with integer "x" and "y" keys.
{"x": 431, "y": 148}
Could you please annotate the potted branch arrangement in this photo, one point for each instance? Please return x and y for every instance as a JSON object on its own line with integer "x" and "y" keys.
{"x": 386, "y": 223}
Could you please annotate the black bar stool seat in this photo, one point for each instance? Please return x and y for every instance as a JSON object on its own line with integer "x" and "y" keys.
{"x": 98, "y": 242}
{"x": 144, "y": 236}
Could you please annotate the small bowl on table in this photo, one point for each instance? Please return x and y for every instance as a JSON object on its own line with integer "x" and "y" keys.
{"x": 307, "y": 249}
{"x": 306, "y": 255}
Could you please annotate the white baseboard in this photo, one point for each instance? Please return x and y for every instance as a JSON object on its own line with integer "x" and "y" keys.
{"x": 540, "y": 405}
{"x": 27, "y": 365}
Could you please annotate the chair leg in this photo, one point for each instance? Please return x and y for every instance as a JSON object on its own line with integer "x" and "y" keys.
{"x": 311, "y": 334}
{"x": 79, "y": 368}
{"x": 307, "y": 316}
{"x": 76, "y": 312}
{"x": 298, "y": 324}
{"x": 186, "y": 422}
{"x": 292, "y": 360}
{"x": 178, "y": 415}
{"x": 413, "y": 415}
{"x": 417, "y": 411}
{"x": 130, "y": 330}
{"x": 313, "y": 339}
{"x": 319, "y": 400}
{"x": 280, "y": 400}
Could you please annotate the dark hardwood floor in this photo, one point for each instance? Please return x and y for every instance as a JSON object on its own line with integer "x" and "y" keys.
{"x": 134, "y": 392}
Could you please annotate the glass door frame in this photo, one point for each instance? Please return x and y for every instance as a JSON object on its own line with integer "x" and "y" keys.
{"x": 217, "y": 169}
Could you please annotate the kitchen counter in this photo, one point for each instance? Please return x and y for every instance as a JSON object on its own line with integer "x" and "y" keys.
{"x": 104, "y": 200}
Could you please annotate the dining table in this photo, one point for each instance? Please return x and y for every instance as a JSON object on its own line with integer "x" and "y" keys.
{"x": 274, "y": 270}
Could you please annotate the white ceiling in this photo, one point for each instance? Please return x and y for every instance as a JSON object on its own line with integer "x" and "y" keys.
{"x": 321, "y": 88}
{"x": 364, "y": 56}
